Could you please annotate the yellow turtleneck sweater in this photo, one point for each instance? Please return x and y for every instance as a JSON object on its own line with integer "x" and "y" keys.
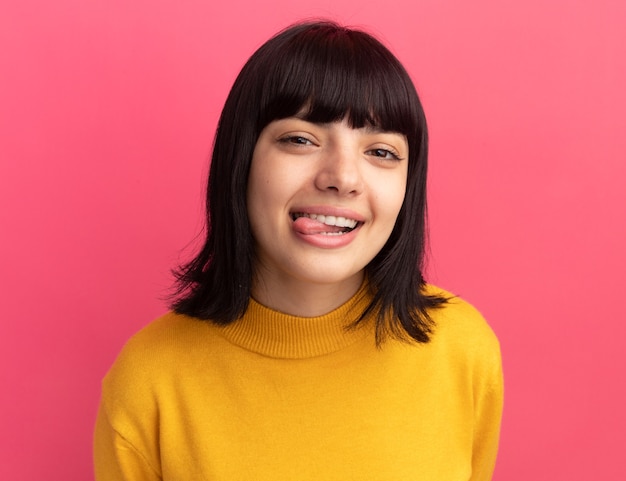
{"x": 274, "y": 397}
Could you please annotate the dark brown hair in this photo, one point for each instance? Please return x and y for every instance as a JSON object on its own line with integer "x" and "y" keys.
{"x": 331, "y": 72}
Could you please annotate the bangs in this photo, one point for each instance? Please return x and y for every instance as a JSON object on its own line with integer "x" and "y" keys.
{"x": 325, "y": 78}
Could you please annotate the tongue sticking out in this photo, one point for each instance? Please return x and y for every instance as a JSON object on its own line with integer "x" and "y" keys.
{"x": 307, "y": 226}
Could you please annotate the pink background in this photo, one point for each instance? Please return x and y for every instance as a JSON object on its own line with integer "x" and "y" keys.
{"x": 107, "y": 112}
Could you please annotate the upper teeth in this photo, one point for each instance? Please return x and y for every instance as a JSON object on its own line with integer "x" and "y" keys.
{"x": 330, "y": 220}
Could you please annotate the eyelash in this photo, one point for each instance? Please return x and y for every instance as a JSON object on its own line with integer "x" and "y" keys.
{"x": 392, "y": 155}
{"x": 295, "y": 139}
{"x": 301, "y": 140}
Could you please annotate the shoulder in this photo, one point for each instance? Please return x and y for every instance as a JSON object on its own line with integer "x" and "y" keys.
{"x": 461, "y": 328}
{"x": 162, "y": 338}
{"x": 155, "y": 356}
{"x": 459, "y": 315}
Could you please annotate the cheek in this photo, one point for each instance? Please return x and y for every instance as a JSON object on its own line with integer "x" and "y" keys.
{"x": 264, "y": 193}
{"x": 390, "y": 193}
{"x": 273, "y": 186}
{"x": 394, "y": 208}
{"x": 259, "y": 185}
{"x": 256, "y": 200}
{"x": 267, "y": 201}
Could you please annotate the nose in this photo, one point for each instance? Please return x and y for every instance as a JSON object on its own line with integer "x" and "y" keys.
{"x": 339, "y": 171}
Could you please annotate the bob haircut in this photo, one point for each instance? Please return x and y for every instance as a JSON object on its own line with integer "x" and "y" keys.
{"x": 325, "y": 73}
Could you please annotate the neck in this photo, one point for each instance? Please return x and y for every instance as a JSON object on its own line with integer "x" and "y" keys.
{"x": 304, "y": 298}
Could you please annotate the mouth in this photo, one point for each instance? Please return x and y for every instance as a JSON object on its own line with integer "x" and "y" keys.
{"x": 337, "y": 225}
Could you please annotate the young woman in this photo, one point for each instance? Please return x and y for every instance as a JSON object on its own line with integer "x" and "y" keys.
{"x": 304, "y": 343}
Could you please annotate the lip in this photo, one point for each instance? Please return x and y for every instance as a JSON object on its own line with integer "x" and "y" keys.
{"x": 325, "y": 241}
{"x": 328, "y": 241}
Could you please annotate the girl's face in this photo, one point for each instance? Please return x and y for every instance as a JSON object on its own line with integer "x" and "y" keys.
{"x": 322, "y": 200}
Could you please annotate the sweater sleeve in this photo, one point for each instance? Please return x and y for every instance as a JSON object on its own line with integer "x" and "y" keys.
{"x": 115, "y": 458}
{"x": 488, "y": 414}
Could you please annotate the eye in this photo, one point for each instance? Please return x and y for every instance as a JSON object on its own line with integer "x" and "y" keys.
{"x": 295, "y": 139}
{"x": 384, "y": 154}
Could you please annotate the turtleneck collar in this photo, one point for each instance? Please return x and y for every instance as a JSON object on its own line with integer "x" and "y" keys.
{"x": 276, "y": 334}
